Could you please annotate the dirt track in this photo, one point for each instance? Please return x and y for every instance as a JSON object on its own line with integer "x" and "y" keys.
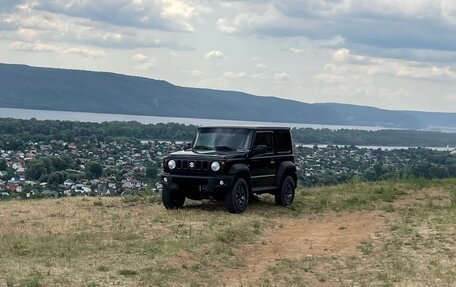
{"x": 326, "y": 235}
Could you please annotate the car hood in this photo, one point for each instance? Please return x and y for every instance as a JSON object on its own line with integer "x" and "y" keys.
{"x": 207, "y": 154}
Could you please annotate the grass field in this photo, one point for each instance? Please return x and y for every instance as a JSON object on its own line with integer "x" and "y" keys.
{"x": 357, "y": 234}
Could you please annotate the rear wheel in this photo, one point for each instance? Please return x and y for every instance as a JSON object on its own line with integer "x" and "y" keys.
{"x": 285, "y": 195}
{"x": 172, "y": 198}
{"x": 237, "y": 198}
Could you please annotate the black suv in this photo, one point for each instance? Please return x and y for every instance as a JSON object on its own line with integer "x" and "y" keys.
{"x": 231, "y": 164}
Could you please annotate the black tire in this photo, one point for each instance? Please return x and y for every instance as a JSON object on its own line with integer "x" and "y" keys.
{"x": 236, "y": 200}
{"x": 172, "y": 198}
{"x": 285, "y": 195}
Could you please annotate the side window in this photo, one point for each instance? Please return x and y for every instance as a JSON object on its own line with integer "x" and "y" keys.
{"x": 265, "y": 138}
{"x": 283, "y": 141}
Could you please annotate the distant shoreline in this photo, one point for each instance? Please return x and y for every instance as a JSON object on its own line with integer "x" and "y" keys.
{"x": 27, "y": 114}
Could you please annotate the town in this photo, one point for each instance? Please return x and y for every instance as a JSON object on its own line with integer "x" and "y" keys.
{"x": 59, "y": 168}
{"x": 128, "y": 166}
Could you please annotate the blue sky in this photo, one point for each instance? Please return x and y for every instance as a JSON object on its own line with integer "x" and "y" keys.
{"x": 395, "y": 54}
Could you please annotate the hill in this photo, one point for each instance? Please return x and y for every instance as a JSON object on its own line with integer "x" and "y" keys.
{"x": 100, "y": 92}
{"x": 363, "y": 233}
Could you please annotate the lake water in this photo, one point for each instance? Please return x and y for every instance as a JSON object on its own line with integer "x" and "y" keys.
{"x": 100, "y": 117}
{"x": 378, "y": 147}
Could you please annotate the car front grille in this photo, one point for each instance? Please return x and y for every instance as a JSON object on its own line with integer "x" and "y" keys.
{"x": 192, "y": 165}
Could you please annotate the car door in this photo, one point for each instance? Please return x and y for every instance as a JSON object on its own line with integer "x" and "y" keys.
{"x": 263, "y": 166}
{"x": 283, "y": 147}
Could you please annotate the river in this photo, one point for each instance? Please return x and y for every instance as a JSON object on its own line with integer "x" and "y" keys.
{"x": 100, "y": 117}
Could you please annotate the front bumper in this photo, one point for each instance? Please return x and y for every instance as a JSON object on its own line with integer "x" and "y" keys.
{"x": 207, "y": 186}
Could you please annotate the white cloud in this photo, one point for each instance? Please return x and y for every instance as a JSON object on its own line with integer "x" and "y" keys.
{"x": 261, "y": 66}
{"x": 155, "y": 14}
{"x": 195, "y": 73}
{"x": 85, "y": 52}
{"x": 281, "y": 77}
{"x": 36, "y": 25}
{"x": 112, "y": 37}
{"x": 142, "y": 62}
{"x": 344, "y": 55}
{"x": 341, "y": 55}
{"x": 297, "y": 50}
{"x": 144, "y": 66}
{"x": 179, "y": 12}
{"x": 259, "y": 76}
{"x": 233, "y": 75}
{"x": 397, "y": 23}
{"x": 224, "y": 27}
{"x": 214, "y": 54}
{"x": 345, "y": 62}
{"x": 384, "y": 82}
{"x": 328, "y": 78}
{"x": 33, "y": 47}
{"x": 140, "y": 58}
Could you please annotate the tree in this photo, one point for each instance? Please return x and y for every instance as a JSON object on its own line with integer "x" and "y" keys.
{"x": 57, "y": 177}
{"x": 3, "y": 165}
{"x": 36, "y": 170}
{"x": 94, "y": 169}
{"x": 151, "y": 171}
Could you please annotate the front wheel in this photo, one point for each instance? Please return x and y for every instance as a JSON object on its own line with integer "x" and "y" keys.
{"x": 285, "y": 195}
{"x": 237, "y": 198}
{"x": 172, "y": 198}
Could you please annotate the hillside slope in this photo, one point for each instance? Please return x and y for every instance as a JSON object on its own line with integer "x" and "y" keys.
{"x": 359, "y": 232}
{"x": 72, "y": 90}
{"x": 100, "y": 92}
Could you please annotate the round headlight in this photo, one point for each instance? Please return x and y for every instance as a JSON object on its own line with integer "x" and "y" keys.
{"x": 172, "y": 164}
{"x": 215, "y": 166}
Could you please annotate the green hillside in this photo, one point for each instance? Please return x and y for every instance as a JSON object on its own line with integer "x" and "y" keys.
{"x": 100, "y": 92}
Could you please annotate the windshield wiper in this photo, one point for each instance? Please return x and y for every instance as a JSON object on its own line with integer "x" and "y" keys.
{"x": 202, "y": 147}
{"x": 224, "y": 147}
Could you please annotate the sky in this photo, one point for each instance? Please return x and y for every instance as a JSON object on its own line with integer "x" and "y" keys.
{"x": 393, "y": 54}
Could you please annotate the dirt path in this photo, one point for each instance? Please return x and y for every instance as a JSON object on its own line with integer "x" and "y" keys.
{"x": 326, "y": 235}
{"x": 420, "y": 197}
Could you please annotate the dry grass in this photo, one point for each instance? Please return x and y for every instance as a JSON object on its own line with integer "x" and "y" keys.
{"x": 416, "y": 249}
{"x": 117, "y": 241}
{"x": 136, "y": 242}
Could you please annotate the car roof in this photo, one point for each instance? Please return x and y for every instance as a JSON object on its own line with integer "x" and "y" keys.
{"x": 269, "y": 128}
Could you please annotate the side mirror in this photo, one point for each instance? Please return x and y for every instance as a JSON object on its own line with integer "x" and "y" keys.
{"x": 187, "y": 145}
{"x": 260, "y": 149}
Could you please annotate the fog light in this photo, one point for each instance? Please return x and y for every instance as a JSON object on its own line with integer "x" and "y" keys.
{"x": 165, "y": 180}
{"x": 222, "y": 182}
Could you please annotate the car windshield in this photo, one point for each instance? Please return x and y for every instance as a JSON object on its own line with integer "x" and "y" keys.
{"x": 222, "y": 139}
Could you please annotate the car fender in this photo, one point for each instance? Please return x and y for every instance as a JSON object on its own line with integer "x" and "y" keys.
{"x": 285, "y": 167}
{"x": 240, "y": 168}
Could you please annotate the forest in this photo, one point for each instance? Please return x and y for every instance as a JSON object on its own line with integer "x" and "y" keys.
{"x": 34, "y": 130}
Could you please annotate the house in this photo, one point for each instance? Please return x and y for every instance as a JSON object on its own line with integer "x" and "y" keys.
{"x": 69, "y": 192}
{"x": 68, "y": 183}
{"x": 11, "y": 186}
{"x": 31, "y": 182}
{"x": 106, "y": 190}
{"x": 17, "y": 165}
{"x": 126, "y": 184}
{"x": 20, "y": 171}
